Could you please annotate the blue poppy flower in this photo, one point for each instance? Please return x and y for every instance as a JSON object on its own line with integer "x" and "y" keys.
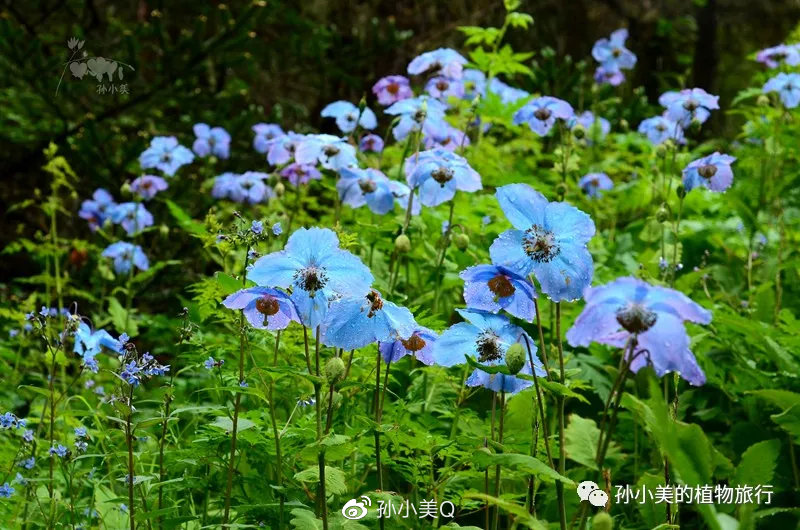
{"x": 371, "y": 142}
{"x": 211, "y": 141}
{"x": 549, "y": 241}
{"x": 281, "y": 149}
{"x": 247, "y": 188}
{"x": 420, "y": 113}
{"x": 133, "y": 217}
{"x": 443, "y": 61}
{"x": 316, "y": 269}
{"x": 595, "y": 125}
{"x": 442, "y": 88}
{"x": 98, "y": 209}
{"x": 330, "y": 151}
{"x": 688, "y": 104}
{"x": 659, "y": 129}
{"x": 226, "y": 186}
{"x": 452, "y": 140}
{"x": 593, "y": 184}
{"x": 712, "y": 172}
{"x": 264, "y": 307}
{"x": 492, "y": 288}
{"x": 264, "y": 134}
{"x": 346, "y": 115}
{"x": 438, "y": 173}
{"x": 781, "y": 54}
{"x": 655, "y": 315}
{"x": 355, "y": 322}
{"x": 166, "y": 155}
{"x": 508, "y": 94}
{"x": 419, "y": 344}
{"x": 787, "y": 86}
{"x": 486, "y": 337}
{"x": 391, "y": 89}
{"x": 358, "y": 187}
{"x": 602, "y": 76}
{"x": 126, "y": 255}
{"x": 541, "y": 114}
{"x": 147, "y": 186}
{"x": 474, "y": 83}
{"x": 612, "y": 54}
{"x": 298, "y": 174}
{"x": 89, "y": 343}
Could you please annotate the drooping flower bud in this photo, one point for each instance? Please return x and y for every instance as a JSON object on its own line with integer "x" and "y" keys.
{"x": 515, "y": 358}
{"x": 334, "y": 370}
{"x": 461, "y": 241}
{"x": 602, "y": 521}
{"x": 402, "y": 244}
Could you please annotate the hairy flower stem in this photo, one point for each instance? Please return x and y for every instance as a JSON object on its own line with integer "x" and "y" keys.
{"x": 322, "y": 496}
{"x": 276, "y": 434}
{"x": 498, "y": 467}
{"x": 562, "y": 461}
{"x": 378, "y": 425}
{"x": 534, "y": 435}
{"x": 237, "y": 401}
{"x": 439, "y": 262}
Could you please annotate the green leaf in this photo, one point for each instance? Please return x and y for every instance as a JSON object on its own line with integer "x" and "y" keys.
{"x": 305, "y": 520}
{"x": 228, "y": 283}
{"x": 119, "y": 318}
{"x": 582, "y": 436}
{"x": 520, "y": 514}
{"x": 525, "y": 463}
{"x": 757, "y": 465}
{"x": 334, "y": 479}
{"x": 226, "y": 424}
{"x": 185, "y": 221}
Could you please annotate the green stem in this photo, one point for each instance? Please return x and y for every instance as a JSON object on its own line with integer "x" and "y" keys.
{"x": 378, "y": 426}
{"x": 323, "y": 498}
{"x": 562, "y": 462}
{"x": 443, "y": 253}
{"x": 129, "y": 440}
{"x": 498, "y": 467}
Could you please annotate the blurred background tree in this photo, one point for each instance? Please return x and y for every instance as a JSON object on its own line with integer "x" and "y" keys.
{"x": 240, "y": 63}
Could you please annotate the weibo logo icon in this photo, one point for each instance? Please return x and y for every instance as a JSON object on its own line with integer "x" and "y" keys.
{"x": 355, "y": 509}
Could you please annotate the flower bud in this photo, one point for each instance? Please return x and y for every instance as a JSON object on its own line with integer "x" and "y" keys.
{"x": 624, "y": 125}
{"x": 334, "y": 370}
{"x": 561, "y": 189}
{"x": 279, "y": 189}
{"x": 163, "y": 230}
{"x": 680, "y": 191}
{"x": 661, "y": 150}
{"x": 662, "y": 215}
{"x": 402, "y": 244}
{"x": 515, "y": 358}
{"x": 579, "y": 131}
{"x": 461, "y": 241}
{"x": 602, "y": 521}
{"x": 126, "y": 188}
{"x": 763, "y": 100}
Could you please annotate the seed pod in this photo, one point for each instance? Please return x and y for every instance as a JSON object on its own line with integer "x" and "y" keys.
{"x": 334, "y": 370}
{"x": 515, "y": 358}
{"x": 602, "y": 521}
{"x": 402, "y": 244}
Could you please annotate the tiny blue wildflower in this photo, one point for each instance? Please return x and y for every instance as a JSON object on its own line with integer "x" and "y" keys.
{"x": 277, "y": 229}
{"x": 6, "y": 491}
{"x": 28, "y": 435}
{"x": 19, "y": 479}
{"x": 8, "y": 420}
{"x": 211, "y": 141}
{"x": 346, "y": 115}
{"x": 81, "y": 446}
{"x": 28, "y": 463}
{"x": 58, "y": 450}
{"x": 257, "y": 227}
{"x": 80, "y": 432}
{"x": 166, "y": 155}
{"x": 243, "y": 384}
{"x": 548, "y": 240}
{"x": 210, "y": 363}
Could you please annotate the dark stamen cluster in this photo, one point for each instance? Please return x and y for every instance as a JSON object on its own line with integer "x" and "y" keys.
{"x": 501, "y": 286}
{"x": 707, "y": 171}
{"x": 540, "y": 244}
{"x": 488, "y": 347}
{"x": 635, "y": 318}
{"x": 267, "y": 305}
{"x": 331, "y": 150}
{"x": 442, "y": 175}
{"x": 311, "y": 279}
{"x": 413, "y": 343}
{"x": 367, "y": 185}
{"x": 542, "y": 114}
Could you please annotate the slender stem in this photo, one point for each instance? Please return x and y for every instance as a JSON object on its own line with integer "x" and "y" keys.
{"x": 498, "y": 467}
{"x": 129, "y": 440}
{"x": 276, "y": 434}
{"x": 323, "y": 498}
{"x": 542, "y": 344}
{"x": 443, "y": 253}
{"x": 378, "y": 425}
{"x": 562, "y": 461}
